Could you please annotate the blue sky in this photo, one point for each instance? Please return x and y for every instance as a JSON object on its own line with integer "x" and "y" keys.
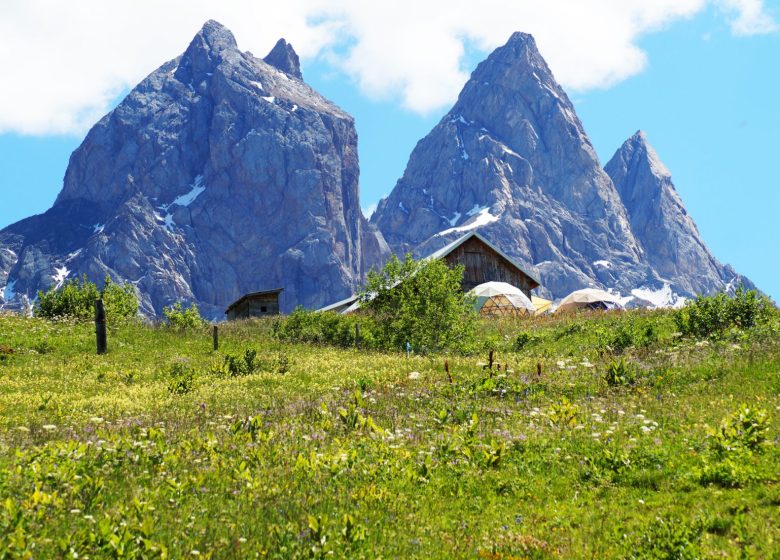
{"x": 705, "y": 94}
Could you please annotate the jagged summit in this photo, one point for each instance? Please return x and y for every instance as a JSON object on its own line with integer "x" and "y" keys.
{"x": 668, "y": 235}
{"x": 638, "y": 148}
{"x": 284, "y": 57}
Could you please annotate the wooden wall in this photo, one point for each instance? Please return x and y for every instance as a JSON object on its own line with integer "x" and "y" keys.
{"x": 253, "y": 307}
{"x": 483, "y": 264}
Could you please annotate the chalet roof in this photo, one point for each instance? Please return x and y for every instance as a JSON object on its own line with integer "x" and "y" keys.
{"x": 447, "y": 249}
{"x": 251, "y": 295}
{"x": 343, "y": 303}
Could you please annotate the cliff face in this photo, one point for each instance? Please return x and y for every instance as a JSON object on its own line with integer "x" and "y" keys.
{"x": 219, "y": 174}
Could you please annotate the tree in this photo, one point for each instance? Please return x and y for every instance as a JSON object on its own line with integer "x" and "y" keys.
{"x": 419, "y": 302}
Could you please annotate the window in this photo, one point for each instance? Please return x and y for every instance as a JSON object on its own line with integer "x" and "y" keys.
{"x": 263, "y": 309}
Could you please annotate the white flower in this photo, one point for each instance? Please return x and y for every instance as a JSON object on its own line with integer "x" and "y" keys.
{"x": 49, "y": 427}
{"x": 414, "y": 375}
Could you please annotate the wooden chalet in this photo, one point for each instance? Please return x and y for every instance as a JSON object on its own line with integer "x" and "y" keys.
{"x": 482, "y": 261}
{"x": 256, "y": 304}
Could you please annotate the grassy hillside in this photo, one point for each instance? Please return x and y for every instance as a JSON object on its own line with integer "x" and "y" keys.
{"x": 600, "y": 436}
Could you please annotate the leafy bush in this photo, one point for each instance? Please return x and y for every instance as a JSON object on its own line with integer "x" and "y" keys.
{"x": 182, "y": 378}
{"x": 419, "y": 302}
{"x": 745, "y": 427}
{"x": 731, "y": 446}
{"x": 711, "y": 315}
{"x": 76, "y": 298}
{"x": 619, "y": 373}
{"x": 326, "y": 328}
{"x": 183, "y": 318}
{"x": 522, "y": 340}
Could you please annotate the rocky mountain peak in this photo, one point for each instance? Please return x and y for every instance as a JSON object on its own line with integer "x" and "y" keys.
{"x": 637, "y": 151}
{"x": 284, "y": 57}
{"x": 205, "y": 52}
{"x": 668, "y": 235}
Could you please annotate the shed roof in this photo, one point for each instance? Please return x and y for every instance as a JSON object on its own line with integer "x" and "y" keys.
{"x": 251, "y": 295}
{"x": 447, "y": 249}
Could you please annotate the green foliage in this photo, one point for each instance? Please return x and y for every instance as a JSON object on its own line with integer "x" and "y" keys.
{"x": 183, "y": 318}
{"x": 668, "y": 539}
{"x": 182, "y": 378}
{"x": 100, "y": 460}
{"x": 327, "y": 327}
{"x": 712, "y": 315}
{"x": 419, "y": 302}
{"x": 523, "y": 340}
{"x": 564, "y": 413}
{"x": 240, "y": 365}
{"x": 746, "y": 427}
{"x": 76, "y": 298}
{"x": 731, "y": 447}
{"x": 619, "y": 374}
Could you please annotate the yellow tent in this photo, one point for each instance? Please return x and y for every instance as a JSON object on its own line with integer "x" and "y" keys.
{"x": 541, "y": 305}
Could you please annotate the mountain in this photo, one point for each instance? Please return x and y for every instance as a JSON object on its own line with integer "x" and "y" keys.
{"x": 219, "y": 174}
{"x": 670, "y": 239}
{"x": 512, "y": 159}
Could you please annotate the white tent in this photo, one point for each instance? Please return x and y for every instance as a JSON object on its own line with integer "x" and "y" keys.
{"x": 589, "y": 298}
{"x": 501, "y": 299}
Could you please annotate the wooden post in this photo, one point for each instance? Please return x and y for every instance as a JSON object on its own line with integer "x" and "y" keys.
{"x": 100, "y": 327}
{"x": 539, "y": 370}
{"x": 490, "y": 363}
{"x": 447, "y": 369}
{"x": 357, "y": 336}
{"x": 215, "y": 337}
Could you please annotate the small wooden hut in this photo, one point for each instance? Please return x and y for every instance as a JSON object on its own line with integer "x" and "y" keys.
{"x": 256, "y": 304}
{"x": 484, "y": 262}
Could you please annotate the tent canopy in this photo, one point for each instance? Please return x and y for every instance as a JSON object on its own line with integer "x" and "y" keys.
{"x": 590, "y": 298}
{"x": 500, "y": 298}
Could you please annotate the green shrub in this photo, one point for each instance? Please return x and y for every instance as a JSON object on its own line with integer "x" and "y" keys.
{"x": 182, "y": 378}
{"x": 619, "y": 373}
{"x": 522, "y": 340}
{"x": 712, "y": 315}
{"x": 76, "y": 298}
{"x": 183, "y": 318}
{"x": 327, "y": 327}
{"x": 745, "y": 427}
{"x": 420, "y": 303}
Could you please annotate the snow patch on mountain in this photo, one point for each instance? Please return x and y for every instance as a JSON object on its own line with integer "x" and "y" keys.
{"x": 662, "y": 297}
{"x": 59, "y": 276}
{"x": 482, "y": 218}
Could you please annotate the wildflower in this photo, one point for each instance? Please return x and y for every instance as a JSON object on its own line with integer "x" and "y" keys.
{"x": 96, "y": 420}
{"x": 49, "y": 427}
{"x": 414, "y": 375}
{"x": 75, "y": 510}
{"x": 26, "y": 429}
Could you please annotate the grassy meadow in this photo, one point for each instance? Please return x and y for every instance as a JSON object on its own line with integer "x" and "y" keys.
{"x": 603, "y": 435}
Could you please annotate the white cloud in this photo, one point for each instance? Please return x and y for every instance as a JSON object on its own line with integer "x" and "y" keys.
{"x": 749, "y": 17}
{"x": 63, "y": 63}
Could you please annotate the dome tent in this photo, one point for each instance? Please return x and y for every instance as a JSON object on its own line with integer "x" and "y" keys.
{"x": 589, "y": 298}
{"x": 499, "y": 299}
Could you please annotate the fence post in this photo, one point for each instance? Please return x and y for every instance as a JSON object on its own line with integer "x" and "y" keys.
{"x": 215, "y": 337}
{"x": 100, "y": 327}
{"x": 357, "y": 336}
